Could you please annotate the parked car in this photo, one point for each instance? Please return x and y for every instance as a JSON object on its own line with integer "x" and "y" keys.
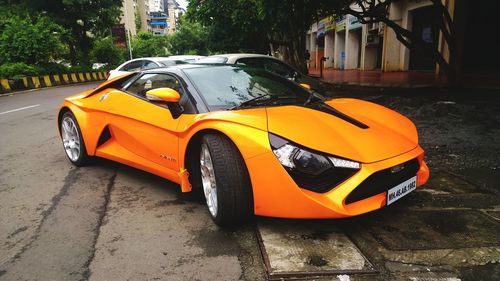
{"x": 143, "y": 64}
{"x": 251, "y": 141}
{"x": 98, "y": 65}
{"x": 268, "y": 63}
{"x": 187, "y": 58}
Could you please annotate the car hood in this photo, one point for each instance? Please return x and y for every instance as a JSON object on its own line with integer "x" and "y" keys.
{"x": 386, "y": 134}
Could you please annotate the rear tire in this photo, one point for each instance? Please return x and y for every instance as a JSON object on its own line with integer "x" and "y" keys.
{"x": 72, "y": 139}
{"x": 225, "y": 181}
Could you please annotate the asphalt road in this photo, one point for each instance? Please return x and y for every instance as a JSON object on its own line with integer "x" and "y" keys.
{"x": 100, "y": 222}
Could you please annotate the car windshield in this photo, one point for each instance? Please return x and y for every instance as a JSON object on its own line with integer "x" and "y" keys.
{"x": 228, "y": 87}
{"x": 212, "y": 60}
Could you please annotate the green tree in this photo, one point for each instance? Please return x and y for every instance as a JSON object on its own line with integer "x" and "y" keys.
{"x": 104, "y": 51}
{"x": 82, "y": 17}
{"x": 230, "y": 25}
{"x": 189, "y": 39}
{"x": 252, "y": 25}
{"x": 31, "y": 41}
{"x": 138, "y": 21}
{"x": 147, "y": 45}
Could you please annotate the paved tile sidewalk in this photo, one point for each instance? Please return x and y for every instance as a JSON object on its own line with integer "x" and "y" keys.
{"x": 380, "y": 79}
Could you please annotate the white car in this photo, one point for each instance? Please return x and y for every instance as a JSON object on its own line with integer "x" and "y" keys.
{"x": 142, "y": 64}
{"x": 187, "y": 58}
{"x": 268, "y": 63}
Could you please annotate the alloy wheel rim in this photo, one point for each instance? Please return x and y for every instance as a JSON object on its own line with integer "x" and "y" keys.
{"x": 208, "y": 180}
{"x": 71, "y": 138}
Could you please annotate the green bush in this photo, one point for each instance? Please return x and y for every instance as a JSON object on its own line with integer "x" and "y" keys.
{"x": 79, "y": 68}
{"x": 104, "y": 51}
{"x": 29, "y": 40}
{"x": 13, "y": 70}
{"x": 53, "y": 68}
{"x": 147, "y": 45}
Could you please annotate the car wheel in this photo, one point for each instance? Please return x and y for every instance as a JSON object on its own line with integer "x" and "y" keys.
{"x": 72, "y": 140}
{"x": 225, "y": 181}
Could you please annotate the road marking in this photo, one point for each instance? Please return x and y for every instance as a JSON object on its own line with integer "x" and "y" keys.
{"x": 18, "y": 109}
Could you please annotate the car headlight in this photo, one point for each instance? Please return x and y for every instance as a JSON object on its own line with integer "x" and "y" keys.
{"x": 310, "y": 169}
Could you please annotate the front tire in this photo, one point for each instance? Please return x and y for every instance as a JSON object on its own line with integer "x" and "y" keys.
{"x": 72, "y": 140}
{"x": 225, "y": 181}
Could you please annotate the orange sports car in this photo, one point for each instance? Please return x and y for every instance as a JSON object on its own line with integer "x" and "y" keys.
{"x": 251, "y": 141}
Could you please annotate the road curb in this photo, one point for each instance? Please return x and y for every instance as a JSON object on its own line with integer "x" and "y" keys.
{"x": 30, "y": 83}
{"x": 38, "y": 89}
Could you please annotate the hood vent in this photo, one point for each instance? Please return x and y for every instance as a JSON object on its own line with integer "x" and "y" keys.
{"x": 323, "y": 107}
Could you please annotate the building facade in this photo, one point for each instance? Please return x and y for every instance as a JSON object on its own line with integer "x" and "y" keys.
{"x": 346, "y": 44}
{"x": 132, "y": 11}
{"x": 156, "y": 6}
{"x": 158, "y": 23}
{"x": 174, "y": 12}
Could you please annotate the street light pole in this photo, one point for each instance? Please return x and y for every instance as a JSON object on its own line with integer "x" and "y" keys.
{"x": 128, "y": 42}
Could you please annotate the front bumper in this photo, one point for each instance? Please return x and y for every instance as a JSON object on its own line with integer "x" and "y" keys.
{"x": 277, "y": 195}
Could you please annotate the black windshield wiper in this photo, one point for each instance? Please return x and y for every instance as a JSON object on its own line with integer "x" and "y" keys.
{"x": 312, "y": 97}
{"x": 260, "y": 99}
{"x": 250, "y": 102}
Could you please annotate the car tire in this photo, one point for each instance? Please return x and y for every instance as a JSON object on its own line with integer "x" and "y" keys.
{"x": 225, "y": 181}
{"x": 72, "y": 139}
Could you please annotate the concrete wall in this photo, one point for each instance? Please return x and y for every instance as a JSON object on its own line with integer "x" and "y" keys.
{"x": 340, "y": 40}
{"x": 329, "y": 48}
{"x": 312, "y": 49}
{"x": 353, "y": 43}
{"x": 128, "y": 17}
{"x": 396, "y": 57}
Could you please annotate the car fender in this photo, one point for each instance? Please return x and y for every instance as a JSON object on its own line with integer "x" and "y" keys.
{"x": 93, "y": 124}
{"x": 250, "y": 141}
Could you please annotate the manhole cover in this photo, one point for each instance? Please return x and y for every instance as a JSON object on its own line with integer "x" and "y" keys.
{"x": 308, "y": 248}
{"x": 425, "y": 230}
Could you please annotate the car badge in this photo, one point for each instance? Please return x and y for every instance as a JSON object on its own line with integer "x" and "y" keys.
{"x": 103, "y": 97}
{"x": 397, "y": 168}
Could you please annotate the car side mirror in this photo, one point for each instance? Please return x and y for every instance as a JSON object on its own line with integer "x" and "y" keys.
{"x": 294, "y": 76}
{"x": 168, "y": 95}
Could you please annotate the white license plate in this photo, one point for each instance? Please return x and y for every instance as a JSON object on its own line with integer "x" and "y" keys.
{"x": 401, "y": 190}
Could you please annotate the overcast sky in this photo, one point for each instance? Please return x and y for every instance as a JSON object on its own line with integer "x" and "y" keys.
{"x": 183, "y": 3}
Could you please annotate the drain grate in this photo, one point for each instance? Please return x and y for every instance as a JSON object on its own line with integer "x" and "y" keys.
{"x": 308, "y": 248}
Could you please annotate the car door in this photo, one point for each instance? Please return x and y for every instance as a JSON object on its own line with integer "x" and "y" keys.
{"x": 144, "y": 132}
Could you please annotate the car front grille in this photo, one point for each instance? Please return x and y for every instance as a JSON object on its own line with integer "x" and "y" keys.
{"x": 382, "y": 181}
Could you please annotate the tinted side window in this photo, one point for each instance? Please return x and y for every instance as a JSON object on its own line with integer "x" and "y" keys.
{"x": 252, "y": 62}
{"x": 132, "y": 66}
{"x": 152, "y": 81}
{"x": 149, "y": 64}
{"x": 278, "y": 68}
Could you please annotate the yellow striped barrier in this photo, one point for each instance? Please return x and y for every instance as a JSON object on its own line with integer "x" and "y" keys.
{"x": 5, "y": 84}
{"x": 36, "y": 82}
{"x": 47, "y": 81}
{"x": 25, "y": 82}
{"x": 57, "y": 79}
{"x": 66, "y": 78}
